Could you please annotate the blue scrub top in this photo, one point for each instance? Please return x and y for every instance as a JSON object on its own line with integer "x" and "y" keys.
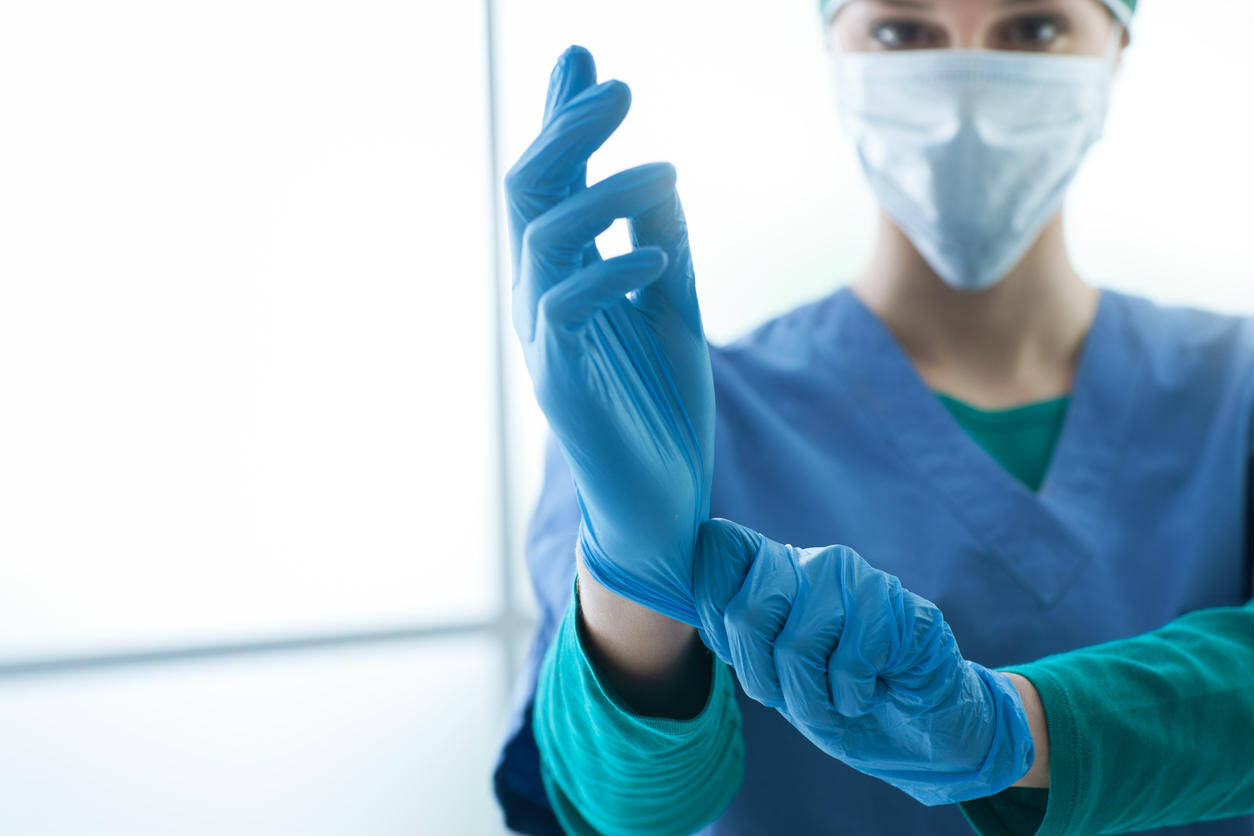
{"x": 826, "y": 434}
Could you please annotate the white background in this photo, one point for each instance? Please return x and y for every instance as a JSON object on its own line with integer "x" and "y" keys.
{"x": 246, "y": 356}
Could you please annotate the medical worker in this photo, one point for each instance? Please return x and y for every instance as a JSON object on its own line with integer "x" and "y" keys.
{"x": 1047, "y": 464}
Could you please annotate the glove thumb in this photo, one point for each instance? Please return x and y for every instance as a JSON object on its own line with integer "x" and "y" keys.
{"x": 725, "y": 550}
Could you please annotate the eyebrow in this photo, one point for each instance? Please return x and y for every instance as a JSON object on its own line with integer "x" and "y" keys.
{"x": 920, "y": 4}
{"x": 907, "y": 4}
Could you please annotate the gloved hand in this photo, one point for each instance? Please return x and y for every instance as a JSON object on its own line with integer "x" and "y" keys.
{"x": 624, "y": 380}
{"x": 867, "y": 670}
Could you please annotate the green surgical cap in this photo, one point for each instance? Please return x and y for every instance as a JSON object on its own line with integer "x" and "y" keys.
{"x": 1121, "y": 9}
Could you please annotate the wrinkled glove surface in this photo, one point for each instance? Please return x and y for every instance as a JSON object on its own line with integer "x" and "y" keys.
{"x": 615, "y": 347}
{"x": 867, "y": 670}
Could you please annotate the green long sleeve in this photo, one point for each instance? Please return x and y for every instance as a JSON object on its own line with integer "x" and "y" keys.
{"x": 609, "y": 770}
{"x": 1144, "y": 732}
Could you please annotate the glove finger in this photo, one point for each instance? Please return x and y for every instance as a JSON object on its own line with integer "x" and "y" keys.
{"x": 581, "y": 217}
{"x": 930, "y": 657}
{"x": 574, "y": 72}
{"x": 557, "y": 159}
{"x": 553, "y": 244}
{"x": 815, "y": 626}
{"x": 871, "y": 639}
{"x": 720, "y": 563}
{"x": 576, "y": 128}
{"x": 755, "y": 616}
{"x": 571, "y": 303}
{"x": 665, "y": 226}
{"x": 591, "y": 255}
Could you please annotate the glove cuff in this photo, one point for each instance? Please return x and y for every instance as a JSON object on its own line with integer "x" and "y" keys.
{"x": 1011, "y": 752}
{"x": 677, "y": 605}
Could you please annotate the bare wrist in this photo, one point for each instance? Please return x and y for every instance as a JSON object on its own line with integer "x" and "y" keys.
{"x": 1038, "y": 774}
{"x": 656, "y": 664}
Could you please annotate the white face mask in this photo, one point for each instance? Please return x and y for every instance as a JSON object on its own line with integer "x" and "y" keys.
{"x": 970, "y": 151}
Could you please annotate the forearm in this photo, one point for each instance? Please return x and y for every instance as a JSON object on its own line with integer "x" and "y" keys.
{"x": 656, "y": 664}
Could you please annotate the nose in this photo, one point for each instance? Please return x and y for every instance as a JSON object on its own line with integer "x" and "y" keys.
{"x": 969, "y": 32}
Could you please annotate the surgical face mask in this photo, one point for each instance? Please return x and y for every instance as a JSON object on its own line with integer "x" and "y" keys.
{"x": 970, "y": 151}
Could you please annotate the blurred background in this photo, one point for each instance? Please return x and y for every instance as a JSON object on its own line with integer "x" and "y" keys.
{"x": 267, "y": 447}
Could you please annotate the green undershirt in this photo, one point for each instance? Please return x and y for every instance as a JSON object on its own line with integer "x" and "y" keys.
{"x": 1148, "y": 730}
{"x": 1020, "y": 438}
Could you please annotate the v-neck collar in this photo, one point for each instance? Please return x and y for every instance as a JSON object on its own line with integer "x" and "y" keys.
{"x": 1039, "y": 537}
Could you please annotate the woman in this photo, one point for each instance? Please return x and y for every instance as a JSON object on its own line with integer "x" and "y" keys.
{"x": 878, "y": 417}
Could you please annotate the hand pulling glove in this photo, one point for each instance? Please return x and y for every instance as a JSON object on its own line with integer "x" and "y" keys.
{"x": 867, "y": 670}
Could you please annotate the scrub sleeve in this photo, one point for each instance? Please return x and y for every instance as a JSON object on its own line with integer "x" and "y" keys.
{"x": 1145, "y": 732}
{"x": 608, "y": 770}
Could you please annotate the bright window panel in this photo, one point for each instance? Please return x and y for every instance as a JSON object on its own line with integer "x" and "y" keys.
{"x": 244, "y": 321}
{"x": 396, "y": 738}
{"x": 1164, "y": 205}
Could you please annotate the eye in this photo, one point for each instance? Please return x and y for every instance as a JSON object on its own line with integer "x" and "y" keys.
{"x": 905, "y": 34}
{"x": 1031, "y": 32}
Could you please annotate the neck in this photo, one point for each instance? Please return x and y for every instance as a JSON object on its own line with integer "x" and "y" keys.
{"x": 1015, "y": 342}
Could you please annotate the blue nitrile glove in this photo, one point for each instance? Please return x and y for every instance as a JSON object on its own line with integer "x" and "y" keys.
{"x": 624, "y": 381}
{"x": 867, "y": 670}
